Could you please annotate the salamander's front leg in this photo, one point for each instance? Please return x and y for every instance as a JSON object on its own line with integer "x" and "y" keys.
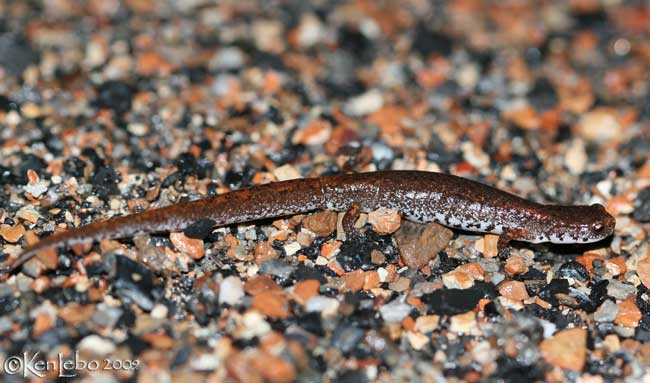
{"x": 503, "y": 248}
{"x": 350, "y": 218}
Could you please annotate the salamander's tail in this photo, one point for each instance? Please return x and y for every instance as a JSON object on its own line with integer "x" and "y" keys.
{"x": 69, "y": 237}
{"x": 116, "y": 227}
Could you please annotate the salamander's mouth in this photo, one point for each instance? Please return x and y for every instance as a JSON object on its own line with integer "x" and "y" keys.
{"x": 580, "y": 224}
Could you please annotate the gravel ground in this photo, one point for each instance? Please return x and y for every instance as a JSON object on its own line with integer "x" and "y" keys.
{"x": 112, "y": 107}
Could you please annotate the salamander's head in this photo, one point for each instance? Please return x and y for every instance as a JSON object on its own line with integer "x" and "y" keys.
{"x": 580, "y": 224}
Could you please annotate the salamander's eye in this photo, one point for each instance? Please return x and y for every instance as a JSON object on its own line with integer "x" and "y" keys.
{"x": 597, "y": 226}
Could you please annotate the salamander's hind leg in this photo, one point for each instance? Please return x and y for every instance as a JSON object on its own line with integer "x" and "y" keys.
{"x": 503, "y": 244}
{"x": 349, "y": 219}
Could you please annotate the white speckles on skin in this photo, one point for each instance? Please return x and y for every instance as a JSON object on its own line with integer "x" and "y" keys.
{"x": 454, "y": 221}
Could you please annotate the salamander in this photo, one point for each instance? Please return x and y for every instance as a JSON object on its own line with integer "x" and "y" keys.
{"x": 420, "y": 196}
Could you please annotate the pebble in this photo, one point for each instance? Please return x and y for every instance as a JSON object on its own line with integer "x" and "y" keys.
{"x": 573, "y": 270}
{"x": 29, "y": 214}
{"x": 454, "y": 301}
{"x": 324, "y": 305}
{"x": 322, "y": 223}
{"x": 395, "y": 311}
{"x": 286, "y": 172}
{"x": 620, "y": 290}
{"x": 12, "y": 234}
{"x": 204, "y": 362}
{"x": 259, "y": 284}
{"x": 133, "y": 282}
{"x": 190, "y": 246}
{"x": 106, "y": 315}
{"x": 231, "y": 291}
{"x": 400, "y": 285}
{"x": 96, "y": 345}
{"x": 488, "y": 245}
{"x": 457, "y": 280}
{"x": 315, "y": 132}
{"x": 515, "y": 266}
{"x": 366, "y": 103}
{"x": 566, "y": 349}
{"x": 159, "y": 311}
{"x": 263, "y": 251}
{"x": 310, "y": 30}
{"x": 254, "y": 325}
{"x": 277, "y": 268}
{"x": 642, "y": 206}
{"x": 385, "y": 221}
{"x": 514, "y": 290}
{"x": 600, "y": 125}
{"x": 629, "y": 314}
{"x": 228, "y": 58}
{"x": 353, "y": 280}
{"x": 426, "y": 323}
{"x": 273, "y": 304}
{"x": 306, "y": 289}
{"x": 463, "y": 323}
{"x": 417, "y": 340}
{"x": 419, "y": 244}
{"x": 575, "y": 157}
{"x": 643, "y": 270}
{"x": 36, "y": 189}
{"x": 292, "y": 248}
{"x": 273, "y": 368}
{"x": 607, "y": 312}
{"x": 346, "y": 337}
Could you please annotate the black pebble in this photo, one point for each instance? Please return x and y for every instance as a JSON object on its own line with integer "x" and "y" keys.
{"x": 96, "y": 159}
{"x": 543, "y": 95}
{"x": 573, "y": 270}
{"x": 187, "y": 164}
{"x": 352, "y": 376}
{"x": 303, "y": 272}
{"x": 105, "y": 182}
{"x": 200, "y": 229}
{"x": 510, "y": 370}
{"x": 557, "y": 286}
{"x": 642, "y": 206}
{"x": 356, "y": 43}
{"x": 346, "y": 337}
{"x": 6, "y": 104}
{"x": 457, "y": 301}
{"x": 312, "y": 323}
{"x": 133, "y": 282}
{"x": 28, "y": 161}
{"x": 16, "y": 54}
{"x": 6, "y": 176}
{"x": 597, "y": 296}
{"x": 427, "y": 42}
{"x": 115, "y": 95}
{"x": 74, "y": 167}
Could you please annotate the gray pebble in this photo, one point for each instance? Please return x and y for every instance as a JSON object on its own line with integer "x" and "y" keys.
{"x": 395, "y": 311}
{"x": 276, "y": 268}
{"x": 606, "y": 312}
{"x": 620, "y": 290}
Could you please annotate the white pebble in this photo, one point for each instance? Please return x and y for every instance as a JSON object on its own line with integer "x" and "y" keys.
{"x": 395, "y": 311}
{"x": 320, "y": 304}
{"x": 36, "y": 189}
{"x": 231, "y": 291}
{"x": 292, "y": 248}
{"x": 96, "y": 345}
{"x": 366, "y": 103}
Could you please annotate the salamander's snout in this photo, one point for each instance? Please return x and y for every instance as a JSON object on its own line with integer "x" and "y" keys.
{"x": 603, "y": 223}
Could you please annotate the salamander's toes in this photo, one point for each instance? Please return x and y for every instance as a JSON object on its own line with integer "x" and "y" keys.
{"x": 350, "y": 218}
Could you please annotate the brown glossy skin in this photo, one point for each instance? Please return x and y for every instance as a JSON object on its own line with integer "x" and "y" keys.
{"x": 420, "y": 196}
